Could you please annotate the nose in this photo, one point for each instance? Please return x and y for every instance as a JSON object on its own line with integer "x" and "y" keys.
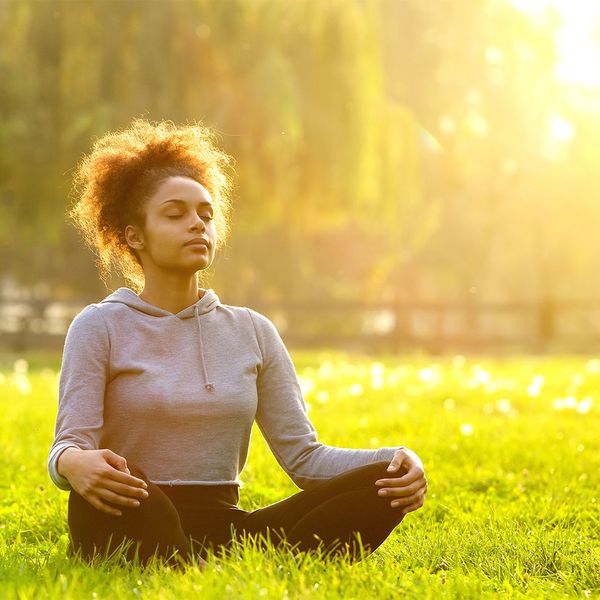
{"x": 198, "y": 221}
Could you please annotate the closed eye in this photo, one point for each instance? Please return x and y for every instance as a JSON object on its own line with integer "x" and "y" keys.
{"x": 205, "y": 217}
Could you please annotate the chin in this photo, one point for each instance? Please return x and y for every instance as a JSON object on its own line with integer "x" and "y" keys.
{"x": 202, "y": 266}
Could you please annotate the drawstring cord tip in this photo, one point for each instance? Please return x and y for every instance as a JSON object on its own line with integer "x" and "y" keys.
{"x": 209, "y": 386}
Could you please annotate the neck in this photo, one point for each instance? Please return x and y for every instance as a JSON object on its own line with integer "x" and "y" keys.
{"x": 171, "y": 292}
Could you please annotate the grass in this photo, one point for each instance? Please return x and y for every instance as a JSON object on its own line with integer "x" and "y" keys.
{"x": 511, "y": 453}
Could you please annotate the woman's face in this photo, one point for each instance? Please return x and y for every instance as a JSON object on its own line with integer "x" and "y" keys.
{"x": 179, "y": 211}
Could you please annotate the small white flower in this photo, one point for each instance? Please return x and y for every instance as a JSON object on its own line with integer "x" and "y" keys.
{"x": 584, "y": 405}
{"x": 377, "y": 383}
{"x": 377, "y": 369}
{"x": 322, "y": 396}
{"x": 466, "y": 429}
{"x": 356, "y": 389}
{"x": 449, "y": 404}
{"x": 570, "y": 402}
{"x": 503, "y": 405}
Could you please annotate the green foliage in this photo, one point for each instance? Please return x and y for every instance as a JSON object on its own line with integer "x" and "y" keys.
{"x": 397, "y": 148}
{"x": 510, "y": 449}
{"x": 294, "y": 91}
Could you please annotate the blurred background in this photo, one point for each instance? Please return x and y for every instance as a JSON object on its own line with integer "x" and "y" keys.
{"x": 410, "y": 175}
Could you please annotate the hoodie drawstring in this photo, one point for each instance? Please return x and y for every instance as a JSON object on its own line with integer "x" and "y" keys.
{"x": 209, "y": 386}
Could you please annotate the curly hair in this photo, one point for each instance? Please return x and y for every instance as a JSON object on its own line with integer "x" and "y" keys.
{"x": 112, "y": 182}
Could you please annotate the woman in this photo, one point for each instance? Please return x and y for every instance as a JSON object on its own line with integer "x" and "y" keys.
{"x": 160, "y": 384}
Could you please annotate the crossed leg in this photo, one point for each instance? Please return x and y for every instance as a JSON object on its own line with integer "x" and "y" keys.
{"x": 154, "y": 526}
{"x": 334, "y": 514}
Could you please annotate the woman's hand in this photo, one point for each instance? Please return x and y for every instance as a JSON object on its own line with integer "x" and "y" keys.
{"x": 410, "y": 489}
{"x": 101, "y": 476}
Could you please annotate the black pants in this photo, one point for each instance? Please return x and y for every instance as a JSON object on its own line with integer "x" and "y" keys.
{"x": 190, "y": 519}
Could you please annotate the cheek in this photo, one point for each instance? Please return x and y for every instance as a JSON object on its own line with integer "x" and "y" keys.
{"x": 169, "y": 232}
{"x": 164, "y": 240}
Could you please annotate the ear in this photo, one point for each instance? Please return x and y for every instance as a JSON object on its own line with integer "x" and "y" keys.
{"x": 134, "y": 237}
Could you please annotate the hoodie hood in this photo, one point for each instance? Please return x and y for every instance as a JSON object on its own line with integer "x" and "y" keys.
{"x": 207, "y": 303}
{"x": 127, "y": 296}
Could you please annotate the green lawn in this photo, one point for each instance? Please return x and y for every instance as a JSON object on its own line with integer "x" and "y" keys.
{"x": 511, "y": 453}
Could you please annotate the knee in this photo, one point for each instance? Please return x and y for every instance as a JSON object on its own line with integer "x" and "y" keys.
{"x": 378, "y": 470}
{"x": 367, "y": 475}
{"x": 137, "y": 472}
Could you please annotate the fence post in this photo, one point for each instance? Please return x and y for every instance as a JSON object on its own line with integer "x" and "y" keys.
{"x": 401, "y": 332}
{"x": 546, "y": 322}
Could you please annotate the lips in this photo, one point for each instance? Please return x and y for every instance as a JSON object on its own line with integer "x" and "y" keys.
{"x": 197, "y": 242}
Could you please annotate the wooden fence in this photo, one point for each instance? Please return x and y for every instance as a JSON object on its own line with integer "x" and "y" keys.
{"x": 546, "y": 326}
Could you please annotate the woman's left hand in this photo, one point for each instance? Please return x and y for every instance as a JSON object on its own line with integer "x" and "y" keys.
{"x": 410, "y": 489}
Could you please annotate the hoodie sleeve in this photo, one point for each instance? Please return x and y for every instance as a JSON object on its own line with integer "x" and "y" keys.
{"x": 283, "y": 420}
{"x": 83, "y": 377}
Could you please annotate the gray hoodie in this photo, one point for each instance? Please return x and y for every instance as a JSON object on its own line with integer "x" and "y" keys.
{"x": 177, "y": 394}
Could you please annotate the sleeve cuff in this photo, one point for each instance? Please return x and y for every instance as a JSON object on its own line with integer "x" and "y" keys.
{"x": 59, "y": 481}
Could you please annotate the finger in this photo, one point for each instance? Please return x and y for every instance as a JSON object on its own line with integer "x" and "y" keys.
{"x": 114, "y": 459}
{"x": 122, "y": 477}
{"x": 126, "y": 490}
{"x": 411, "y": 507}
{"x": 414, "y": 473}
{"x": 109, "y": 496}
{"x": 109, "y": 510}
{"x": 98, "y": 504}
{"x": 413, "y": 502}
{"x": 119, "y": 463}
{"x": 409, "y": 490}
{"x": 406, "y": 502}
{"x": 399, "y": 481}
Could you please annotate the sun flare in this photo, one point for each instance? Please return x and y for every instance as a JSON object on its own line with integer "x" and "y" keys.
{"x": 577, "y": 39}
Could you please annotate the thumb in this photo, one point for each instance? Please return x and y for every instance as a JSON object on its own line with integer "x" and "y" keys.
{"x": 396, "y": 462}
{"x": 119, "y": 462}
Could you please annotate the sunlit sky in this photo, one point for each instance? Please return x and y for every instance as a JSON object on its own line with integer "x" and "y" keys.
{"x": 578, "y": 40}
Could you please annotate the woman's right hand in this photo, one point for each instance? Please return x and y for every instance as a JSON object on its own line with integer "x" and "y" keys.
{"x": 101, "y": 476}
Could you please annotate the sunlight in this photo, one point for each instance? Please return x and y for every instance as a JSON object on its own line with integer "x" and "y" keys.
{"x": 561, "y": 129}
{"x": 578, "y": 52}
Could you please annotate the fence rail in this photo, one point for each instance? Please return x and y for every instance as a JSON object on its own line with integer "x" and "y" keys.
{"x": 544, "y": 326}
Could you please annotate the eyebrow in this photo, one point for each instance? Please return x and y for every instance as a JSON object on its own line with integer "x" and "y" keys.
{"x": 204, "y": 202}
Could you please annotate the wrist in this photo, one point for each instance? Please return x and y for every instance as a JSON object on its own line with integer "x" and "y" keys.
{"x": 64, "y": 459}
